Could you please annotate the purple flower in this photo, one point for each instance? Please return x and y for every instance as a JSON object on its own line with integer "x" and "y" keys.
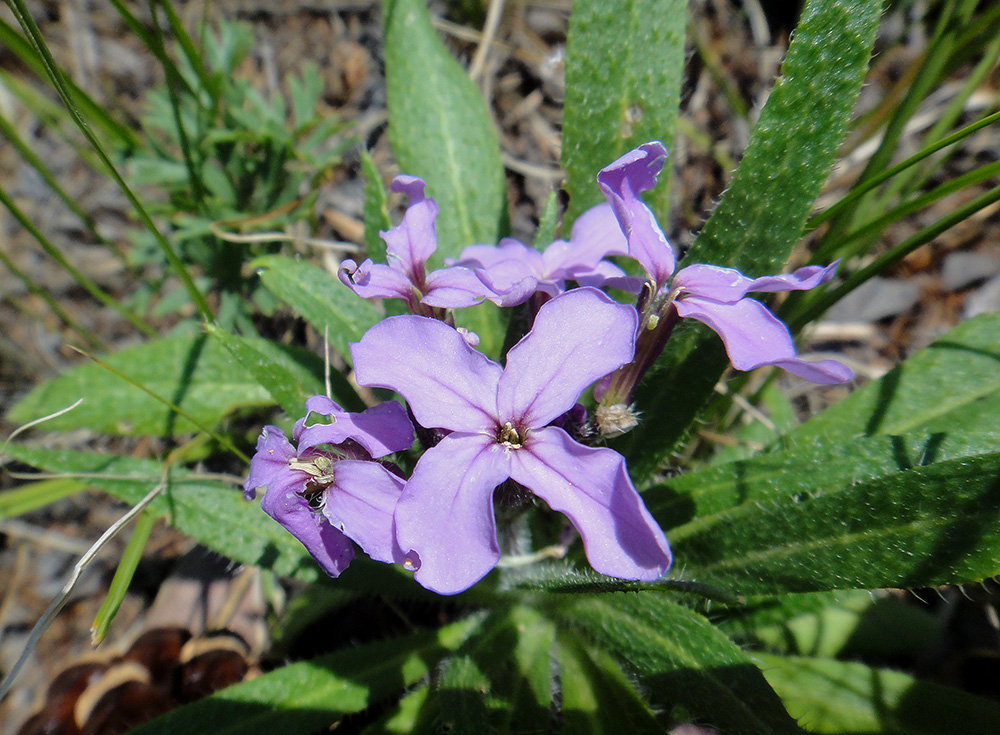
{"x": 498, "y": 420}
{"x": 716, "y": 296}
{"x": 514, "y": 272}
{"x": 408, "y": 248}
{"x": 327, "y": 491}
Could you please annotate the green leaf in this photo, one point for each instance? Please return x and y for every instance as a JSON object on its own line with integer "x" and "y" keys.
{"x": 503, "y": 677}
{"x": 320, "y": 298}
{"x": 123, "y": 577}
{"x": 376, "y": 212}
{"x": 314, "y": 695}
{"x": 596, "y": 697}
{"x": 945, "y": 398}
{"x": 290, "y": 374}
{"x": 441, "y": 130}
{"x": 834, "y": 697}
{"x": 765, "y": 208}
{"x": 211, "y": 512}
{"x": 194, "y": 373}
{"x": 35, "y": 495}
{"x": 918, "y": 527}
{"x": 624, "y": 60}
{"x": 956, "y": 371}
{"x": 680, "y": 659}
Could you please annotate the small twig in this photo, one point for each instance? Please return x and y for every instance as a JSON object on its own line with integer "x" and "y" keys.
{"x": 334, "y": 245}
{"x": 25, "y": 427}
{"x": 493, "y": 15}
{"x": 60, "y": 601}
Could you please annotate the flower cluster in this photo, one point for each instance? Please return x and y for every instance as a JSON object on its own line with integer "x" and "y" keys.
{"x": 509, "y": 433}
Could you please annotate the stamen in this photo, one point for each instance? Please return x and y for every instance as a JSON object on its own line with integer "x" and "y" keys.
{"x": 508, "y": 436}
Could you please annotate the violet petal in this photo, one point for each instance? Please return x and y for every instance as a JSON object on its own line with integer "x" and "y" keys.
{"x": 381, "y": 429}
{"x": 753, "y": 337}
{"x": 375, "y": 281}
{"x": 591, "y": 486}
{"x": 271, "y": 458}
{"x": 445, "y": 515}
{"x": 331, "y": 548}
{"x": 360, "y": 504}
{"x": 415, "y": 239}
{"x": 804, "y": 278}
{"x": 454, "y": 288}
{"x": 577, "y": 338}
{"x": 447, "y": 384}
{"x": 622, "y": 182}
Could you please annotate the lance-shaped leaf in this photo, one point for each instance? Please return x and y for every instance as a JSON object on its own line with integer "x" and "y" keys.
{"x": 834, "y": 697}
{"x": 209, "y": 511}
{"x": 950, "y": 376}
{"x": 290, "y": 374}
{"x": 940, "y": 404}
{"x": 194, "y": 373}
{"x": 314, "y": 695}
{"x": 918, "y": 527}
{"x": 680, "y": 659}
{"x": 623, "y": 78}
{"x": 441, "y": 131}
{"x": 763, "y": 211}
{"x": 320, "y": 298}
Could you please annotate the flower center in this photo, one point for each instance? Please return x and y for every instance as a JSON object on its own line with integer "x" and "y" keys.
{"x": 320, "y": 471}
{"x": 509, "y": 436}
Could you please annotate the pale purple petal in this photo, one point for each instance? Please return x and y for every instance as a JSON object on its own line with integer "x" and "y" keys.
{"x": 375, "y": 281}
{"x": 447, "y": 384}
{"x": 622, "y": 182}
{"x": 511, "y": 271}
{"x": 577, "y": 338}
{"x": 755, "y": 337}
{"x": 328, "y": 546}
{"x": 726, "y": 285}
{"x": 596, "y": 235}
{"x": 454, "y": 288}
{"x": 487, "y": 256}
{"x": 381, "y": 429}
{"x": 445, "y": 515}
{"x": 415, "y": 239}
{"x": 591, "y": 486}
{"x": 360, "y": 504}
{"x": 606, "y": 274}
{"x": 271, "y": 458}
{"x": 802, "y": 279}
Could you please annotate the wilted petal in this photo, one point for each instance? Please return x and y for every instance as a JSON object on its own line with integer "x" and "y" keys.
{"x": 754, "y": 337}
{"x": 360, "y": 503}
{"x": 622, "y": 182}
{"x": 374, "y": 280}
{"x": 454, "y": 288}
{"x": 271, "y": 458}
{"x": 577, "y": 338}
{"x": 328, "y": 546}
{"x": 802, "y": 279}
{"x": 445, "y": 514}
{"x": 592, "y": 488}
{"x": 415, "y": 239}
{"x": 381, "y": 429}
{"x": 448, "y": 384}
